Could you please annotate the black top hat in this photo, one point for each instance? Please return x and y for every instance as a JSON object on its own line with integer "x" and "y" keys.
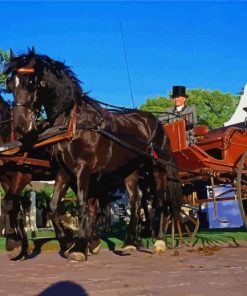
{"x": 179, "y": 91}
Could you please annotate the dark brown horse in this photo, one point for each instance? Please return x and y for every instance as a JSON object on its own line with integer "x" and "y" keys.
{"x": 14, "y": 176}
{"x": 105, "y": 148}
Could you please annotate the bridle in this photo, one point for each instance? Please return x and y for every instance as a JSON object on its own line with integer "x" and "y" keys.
{"x": 34, "y": 113}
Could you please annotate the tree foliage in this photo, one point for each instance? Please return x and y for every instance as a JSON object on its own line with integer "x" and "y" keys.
{"x": 213, "y": 107}
{"x": 4, "y": 57}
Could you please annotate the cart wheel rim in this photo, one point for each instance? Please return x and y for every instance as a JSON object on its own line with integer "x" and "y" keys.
{"x": 239, "y": 188}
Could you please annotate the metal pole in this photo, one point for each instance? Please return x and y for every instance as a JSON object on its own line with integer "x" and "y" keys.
{"x": 127, "y": 66}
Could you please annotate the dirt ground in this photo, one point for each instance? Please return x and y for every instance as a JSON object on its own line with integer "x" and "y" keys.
{"x": 185, "y": 271}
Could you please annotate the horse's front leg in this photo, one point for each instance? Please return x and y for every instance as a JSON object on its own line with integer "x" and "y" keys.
{"x": 132, "y": 238}
{"x": 94, "y": 240}
{"x": 13, "y": 216}
{"x": 64, "y": 235}
{"x": 87, "y": 217}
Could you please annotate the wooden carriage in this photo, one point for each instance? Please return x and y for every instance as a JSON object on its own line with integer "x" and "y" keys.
{"x": 217, "y": 157}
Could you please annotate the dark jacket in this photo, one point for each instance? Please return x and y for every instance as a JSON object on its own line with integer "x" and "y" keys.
{"x": 188, "y": 112}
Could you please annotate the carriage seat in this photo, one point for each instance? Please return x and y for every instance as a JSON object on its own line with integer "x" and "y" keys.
{"x": 218, "y": 138}
{"x": 200, "y": 131}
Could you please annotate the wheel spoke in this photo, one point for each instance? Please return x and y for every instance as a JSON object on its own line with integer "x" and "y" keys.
{"x": 244, "y": 181}
{"x": 242, "y": 187}
{"x": 188, "y": 230}
{"x": 173, "y": 233}
{"x": 180, "y": 231}
{"x": 167, "y": 223}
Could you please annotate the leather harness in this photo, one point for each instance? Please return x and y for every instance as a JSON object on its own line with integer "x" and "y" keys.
{"x": 61, "y": 133}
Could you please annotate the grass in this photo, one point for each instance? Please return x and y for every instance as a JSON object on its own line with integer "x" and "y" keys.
{"x": 45, "y": 240}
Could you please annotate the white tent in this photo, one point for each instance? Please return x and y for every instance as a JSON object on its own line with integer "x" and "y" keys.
{"x": 240, "y": 114}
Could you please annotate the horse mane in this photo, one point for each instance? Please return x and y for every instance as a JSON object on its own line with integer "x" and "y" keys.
{"x": 61, "y": 79}
{"x": 56, "y": 74}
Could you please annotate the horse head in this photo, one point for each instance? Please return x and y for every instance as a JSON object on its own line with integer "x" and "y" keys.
{"x": 36, "y": 80}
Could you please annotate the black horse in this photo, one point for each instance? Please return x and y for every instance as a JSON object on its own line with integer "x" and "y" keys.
{"x": 14, "y": 177}
{"x": 94, "y": 155}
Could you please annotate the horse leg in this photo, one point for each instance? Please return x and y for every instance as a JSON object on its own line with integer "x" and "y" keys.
{"x": 64, "y": 236}
{"x": 87, "y": 217}
{"x": 131, "y": 185}
{"x": 160, "y": 181}
{"x": 13, "y": 217}
{"x": 5, "y": 183}
{"x": 94, "y": 242}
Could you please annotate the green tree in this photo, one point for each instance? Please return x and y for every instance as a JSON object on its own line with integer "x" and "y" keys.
{"x": 4, "y": 57}
{"x": 157, "y": 104}
{"x": 213, "y": 107}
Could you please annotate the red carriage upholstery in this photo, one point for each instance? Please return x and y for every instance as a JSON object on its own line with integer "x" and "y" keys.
{"x": 217, "y": 143}
{"x": 222, "y": 135}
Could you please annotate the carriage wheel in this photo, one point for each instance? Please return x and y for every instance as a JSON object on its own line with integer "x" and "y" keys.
{"x": 242, "y": 187}
{"x": 180, "y": 225}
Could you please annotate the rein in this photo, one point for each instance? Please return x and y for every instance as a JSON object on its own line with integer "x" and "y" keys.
{"x": 114, "y": 108}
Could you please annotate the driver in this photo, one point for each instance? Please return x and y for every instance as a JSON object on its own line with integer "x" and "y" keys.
{"x": 180, "y": 108}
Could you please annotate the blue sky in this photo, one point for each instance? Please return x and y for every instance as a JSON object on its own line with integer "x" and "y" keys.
{"x": 196, "y": 44}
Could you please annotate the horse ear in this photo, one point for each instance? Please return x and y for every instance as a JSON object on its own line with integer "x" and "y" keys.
{"x": 11, "y": 54}
{"x": 31, "y": 51}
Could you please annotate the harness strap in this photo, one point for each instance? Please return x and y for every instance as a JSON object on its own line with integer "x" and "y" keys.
{"x": 113, "y": 127}
{"x": 72, "y": 123}
{"x": 131, "y": 147}
{"x": 12, "y": 131}
{"x": 26, "y": 160}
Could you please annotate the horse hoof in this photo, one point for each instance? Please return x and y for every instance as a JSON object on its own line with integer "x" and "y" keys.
{"x": 159, "y": 247}
{"x": 77, "y": 257}
{"x": 67, "y": 252}
{"x": 96, "y": 250}
{"x": 15, "y": 254}
{"x": 129, "y": 248}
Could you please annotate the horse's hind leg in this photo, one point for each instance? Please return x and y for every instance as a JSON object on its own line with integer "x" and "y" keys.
{"x": 64, "y": 235}
{"x": 131, "y": 185}
{"x": 160, "y": 180}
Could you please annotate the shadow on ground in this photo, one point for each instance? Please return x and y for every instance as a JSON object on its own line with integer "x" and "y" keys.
{"x": 63, "y": 289}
